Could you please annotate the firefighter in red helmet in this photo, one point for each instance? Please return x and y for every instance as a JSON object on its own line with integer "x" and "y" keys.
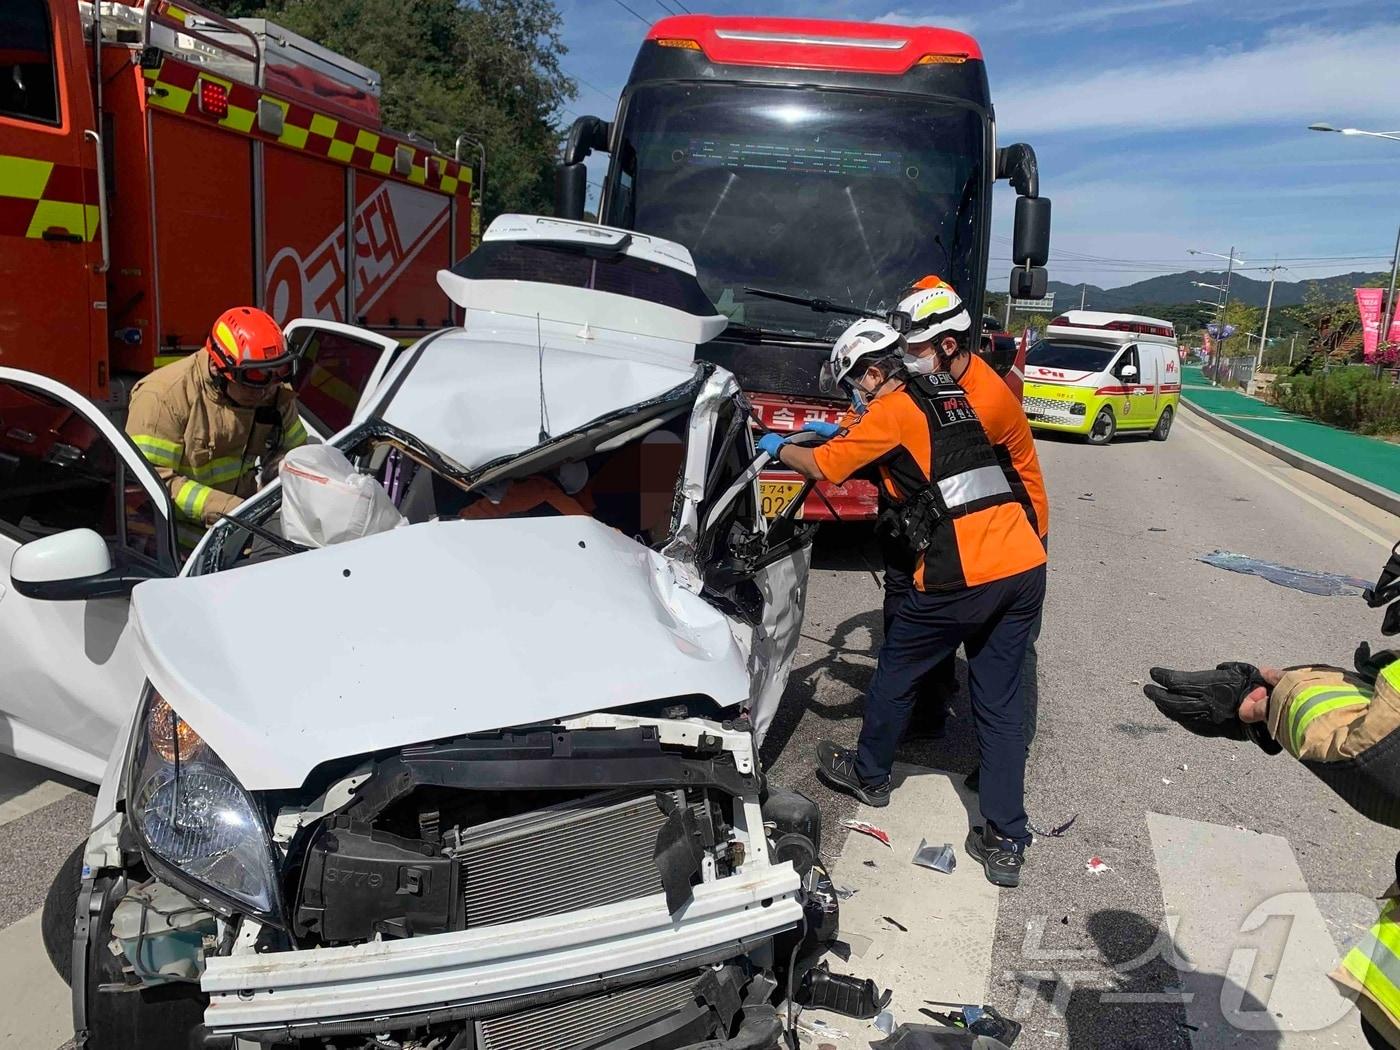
{"x": 216, "y": 423}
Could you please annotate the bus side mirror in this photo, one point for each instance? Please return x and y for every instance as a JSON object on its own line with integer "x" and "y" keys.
{"x": 1030, "y": 239}
{"x": 1028, "y": 283}
{"x": 571, "y": 177}
{"x": 1017, "y": 164}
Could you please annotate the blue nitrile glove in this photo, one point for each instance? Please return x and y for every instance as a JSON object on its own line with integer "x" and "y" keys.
{"x": 770, "y": 443}
{"x": 820, "y": 426}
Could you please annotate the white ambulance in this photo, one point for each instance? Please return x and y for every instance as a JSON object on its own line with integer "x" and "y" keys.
{"x": 1097, "y": 373}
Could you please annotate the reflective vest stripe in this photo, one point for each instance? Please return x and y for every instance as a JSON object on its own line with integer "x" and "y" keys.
{"x": 295, "y": 435}
{"x": 216, "y": 471}
{"x": 1316, "y": 701}
{"x": 191, "y": 500}
{"x": 972, "y": 485}
{"x": 1391, "y": 673}
{"x": 1375, "y": 961}
{"x": 159, "y": 451}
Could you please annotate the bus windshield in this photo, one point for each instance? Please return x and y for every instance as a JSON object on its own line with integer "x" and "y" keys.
{"x": 837, "y": 194}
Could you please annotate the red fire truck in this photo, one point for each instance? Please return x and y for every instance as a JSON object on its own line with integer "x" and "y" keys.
{"x": 159, "y": 163}
{"x": 825, "y": 160}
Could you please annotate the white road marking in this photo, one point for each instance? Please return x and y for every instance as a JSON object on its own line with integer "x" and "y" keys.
{"x": 45, "y": 1018}
{"x": 1254, "y": 960}
{"x": 945, "y": 950}
{"x": 1355, "y": 526}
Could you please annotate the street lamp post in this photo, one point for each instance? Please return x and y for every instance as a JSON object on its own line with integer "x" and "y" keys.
{"x": 1268, "y": 305}
{"x": 1394, "y": 266}
{"x": 1224, "y": 293}
{"x": 1395, "y": 135}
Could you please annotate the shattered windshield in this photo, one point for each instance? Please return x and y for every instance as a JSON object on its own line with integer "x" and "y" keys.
{"x": 837, "y": 194}
{"x": 1077, "y": 357}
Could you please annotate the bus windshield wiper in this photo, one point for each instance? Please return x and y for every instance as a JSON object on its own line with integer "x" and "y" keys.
{"x": 753, "y": 334}
{"x": 817, "y": 305}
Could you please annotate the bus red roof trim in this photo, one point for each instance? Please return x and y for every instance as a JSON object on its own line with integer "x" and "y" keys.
{"x": 812, "y": 43}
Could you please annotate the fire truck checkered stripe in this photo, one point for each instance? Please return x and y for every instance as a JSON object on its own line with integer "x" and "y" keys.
{"x": 173, "y": 87}
{"x": 37, "y": 195}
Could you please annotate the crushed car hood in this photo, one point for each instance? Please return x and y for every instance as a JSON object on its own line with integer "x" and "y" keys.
{"x": 425, "y": 632}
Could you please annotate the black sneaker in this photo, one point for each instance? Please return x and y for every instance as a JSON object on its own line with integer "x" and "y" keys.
{"x": 1000, "y": 859}
{"x": 837, "y": 766}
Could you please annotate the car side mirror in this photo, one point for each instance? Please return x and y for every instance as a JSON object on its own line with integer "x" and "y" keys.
{"x": 71, "y": 566}
{"x": 1128, "y": 371}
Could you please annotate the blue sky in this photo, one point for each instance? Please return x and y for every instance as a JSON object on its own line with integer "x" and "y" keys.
{"x": 1161, "y": 125}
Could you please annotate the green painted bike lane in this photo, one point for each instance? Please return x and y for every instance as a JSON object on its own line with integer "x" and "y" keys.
{"x": 1368, "y": 458}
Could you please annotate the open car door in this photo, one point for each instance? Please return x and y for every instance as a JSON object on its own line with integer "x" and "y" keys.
{"x": 83, "y": 518}
{"x": 758, "y": 569}
{"x": 339, "y": 368}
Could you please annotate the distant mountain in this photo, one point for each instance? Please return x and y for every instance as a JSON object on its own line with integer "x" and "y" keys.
{"x": 1176, "y": 288}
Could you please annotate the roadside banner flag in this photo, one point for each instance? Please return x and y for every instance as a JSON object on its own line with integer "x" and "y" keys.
{"x": 1368, "y": 304}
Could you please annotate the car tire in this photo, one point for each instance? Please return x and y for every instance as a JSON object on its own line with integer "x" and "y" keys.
{"x": 1104, "y": 427}
{"x": 1164, "y": 424}
{"x": 61, "y": 912}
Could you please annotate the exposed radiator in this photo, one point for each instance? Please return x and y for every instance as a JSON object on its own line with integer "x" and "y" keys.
{"x": 586, "y": 1021}
{"x": 582, "y": 854}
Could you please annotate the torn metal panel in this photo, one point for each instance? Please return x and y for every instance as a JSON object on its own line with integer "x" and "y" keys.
{"x": 1309, "y": 581}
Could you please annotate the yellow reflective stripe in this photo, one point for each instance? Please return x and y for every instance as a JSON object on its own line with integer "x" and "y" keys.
{"x": 295, "y": 435}
{"x": 216, "y": 471}
{"x": 24, "y": 177}
{"x": 1391, "y": 673}
{"x": 1375, "y": 961}
{"x": 191, "y": 499}
{"x": 158, "y": 450}
{"x": 1315, "y": 701}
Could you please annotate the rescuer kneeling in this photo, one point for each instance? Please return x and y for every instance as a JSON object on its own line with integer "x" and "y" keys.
{"x": 979, "y": 576}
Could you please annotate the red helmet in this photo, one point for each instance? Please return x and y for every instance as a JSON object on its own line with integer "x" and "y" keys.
{"x": 245, "y": 346}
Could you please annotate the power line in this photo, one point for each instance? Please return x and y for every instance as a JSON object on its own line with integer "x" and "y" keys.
{"x": 668, "y": 10}
{"x": 630, "y": 11}
{"x": 589, "y": 83}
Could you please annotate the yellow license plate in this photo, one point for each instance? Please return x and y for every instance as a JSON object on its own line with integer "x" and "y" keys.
{"x": 774, "y": 496}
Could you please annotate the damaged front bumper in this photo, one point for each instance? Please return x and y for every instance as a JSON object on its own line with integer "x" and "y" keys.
{"x": 455, "y": 976}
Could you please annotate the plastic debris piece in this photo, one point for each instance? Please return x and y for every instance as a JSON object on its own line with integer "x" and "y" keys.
{"x": 1182, "y": 767}
{"x": 1095, "y": 865}
{"x": 844, "y": 893}
{"x": 1088, "y": 497}
{"x": 819, "y": 1027}
{"x": 1058, "y": 831}
{"x": 1326, "y": 584}
{"x": 842, "y": 993}
{"x": 870, "y": 864}
{"x": 939, "y": 858}
{"x": 896, "y": 924}
{"x": 867, "y": 828}
{"x": 885, "y": 1022}
{"x": 1155, "y": 529}
{"x": 1064, "y": 921}
{"x": 1166, "y": 780}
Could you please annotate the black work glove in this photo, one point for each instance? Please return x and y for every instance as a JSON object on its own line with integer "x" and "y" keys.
{"x": 1205, "y": 702}
{"x": 1369, "y": 664}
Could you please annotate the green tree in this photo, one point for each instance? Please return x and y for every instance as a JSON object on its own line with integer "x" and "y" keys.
{"x": 489, "y": 68}
{"x": 1246, "y": 319}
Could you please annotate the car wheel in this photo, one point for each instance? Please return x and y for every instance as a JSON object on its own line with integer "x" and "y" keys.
{"x": 1164, "y": 425}
{"x": 60, "y": 912}
{"x": 1105, "y": 426}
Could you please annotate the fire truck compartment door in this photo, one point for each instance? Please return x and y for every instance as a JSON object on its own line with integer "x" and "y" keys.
{"x": 69, "y": 677}
{"x": 340, "y": 367}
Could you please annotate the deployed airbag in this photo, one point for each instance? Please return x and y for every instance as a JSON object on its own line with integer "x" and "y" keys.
{"x": 325, "y": 500}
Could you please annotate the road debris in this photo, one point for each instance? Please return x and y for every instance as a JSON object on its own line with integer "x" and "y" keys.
{"x": 1088, "y": 497}
{"x": 1325, "y": 584}
{"x": 816, "y": 1026}
{"x": 844, "y": 893}
{"x": 896, "y": 924}
{"x": 1095, "y": 865}
{"x": 977, "y": 1020}
{"x": 870, "y": 864}
{"x": 867, "y": 828}
{"x": 1166, "y": 780}
{"x": 1058, "y": 831}
{"x": 842, "y": 993}
{"x": 1155, "y": 529}
{"x": 885, "y": 1022}
{"x": 939, "y": 858}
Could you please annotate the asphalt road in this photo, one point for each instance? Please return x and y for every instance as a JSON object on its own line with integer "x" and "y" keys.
{"x": 1127, "y": 591}
{"x": 1077, "y": 958}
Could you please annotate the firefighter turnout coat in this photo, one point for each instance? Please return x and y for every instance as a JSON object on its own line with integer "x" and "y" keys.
{"x": 1346, "y": 729}
{"x": 207, "y": 450}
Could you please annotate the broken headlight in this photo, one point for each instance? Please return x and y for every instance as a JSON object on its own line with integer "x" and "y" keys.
{"x": 195, "y": 819}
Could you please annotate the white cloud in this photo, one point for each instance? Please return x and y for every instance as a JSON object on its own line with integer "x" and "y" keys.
{"x": 1297, "y": 77}
{"x": 1118, "y": 13}
{"x": 903, "y": 16}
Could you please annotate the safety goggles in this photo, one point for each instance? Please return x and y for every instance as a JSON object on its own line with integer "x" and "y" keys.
{"x": 263, "y": 373}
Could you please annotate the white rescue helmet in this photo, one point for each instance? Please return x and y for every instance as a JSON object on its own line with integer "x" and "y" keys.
{"x": 869, "y": 340}
{"x": 934, "y": 310}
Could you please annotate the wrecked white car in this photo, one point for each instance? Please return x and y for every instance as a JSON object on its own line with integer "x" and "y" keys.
{"x": 486, "y": 775}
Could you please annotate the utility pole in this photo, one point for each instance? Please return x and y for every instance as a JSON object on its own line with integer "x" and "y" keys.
{"x": 1390, "y": 299}
{"x": 1083, "y": 289}
{"x": 1291, "y": 344}
{"x": 1268, "y": 305}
